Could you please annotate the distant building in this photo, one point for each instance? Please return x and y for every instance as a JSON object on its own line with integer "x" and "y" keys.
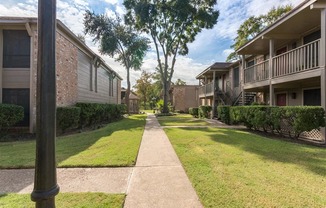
{"x": 184, "y": 97}
{"x": 134, "y": 102}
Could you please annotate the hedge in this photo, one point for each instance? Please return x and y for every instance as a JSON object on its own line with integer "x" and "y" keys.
{"x": 300, "y": 118}
{"x": 204, "y": 111}
{"x": 95, "y": 113}
{"x": 10, "y": 115}
{"x": 223, "y": 114}
{"x": 193, "y": 112}
{"x": 67, "y": 118}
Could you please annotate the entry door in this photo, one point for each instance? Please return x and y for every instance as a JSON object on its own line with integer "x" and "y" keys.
{"x": 281, "y": 99}
{"x": 18, "y": 97}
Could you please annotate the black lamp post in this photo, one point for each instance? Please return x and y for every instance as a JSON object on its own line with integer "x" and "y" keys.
{"x": 45, "y": 181}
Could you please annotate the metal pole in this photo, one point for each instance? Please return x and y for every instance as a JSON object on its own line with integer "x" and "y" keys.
{"x": 45, "y": 181}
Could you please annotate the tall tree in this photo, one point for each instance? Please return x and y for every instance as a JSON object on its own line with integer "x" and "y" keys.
{"x": 171, "y": 24}
{"x": 253, "y": 25}
{"x": 117, "y": 40}
{"x": 143, "y": 87}
{"x": 180, "y": 82}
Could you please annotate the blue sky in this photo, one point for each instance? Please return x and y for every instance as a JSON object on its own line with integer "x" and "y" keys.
{"x": 210, "y": 45}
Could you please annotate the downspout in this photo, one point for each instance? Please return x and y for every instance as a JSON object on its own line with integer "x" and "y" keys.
{"x": 322, "y": 61}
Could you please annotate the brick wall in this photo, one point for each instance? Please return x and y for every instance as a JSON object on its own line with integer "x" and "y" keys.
{"x": 67, "y": 75}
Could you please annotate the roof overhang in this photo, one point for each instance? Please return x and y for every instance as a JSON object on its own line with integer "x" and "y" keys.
{"x": 218, "y": 67}
{"x": 302, "y": 19}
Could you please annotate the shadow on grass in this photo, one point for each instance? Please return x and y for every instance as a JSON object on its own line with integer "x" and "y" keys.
{"x": 309, "y": 157}
{"x": 22, "y": 154}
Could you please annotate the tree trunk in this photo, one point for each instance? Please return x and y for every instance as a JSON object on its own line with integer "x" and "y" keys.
{"x": 128, "y": 91}
{"x": 166, "y": 87}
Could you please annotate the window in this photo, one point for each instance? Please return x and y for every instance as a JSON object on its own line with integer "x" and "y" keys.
{"x": 18, "y": 97}
{"x": 250, "y": 63}
{"x": 236, "y": 79}
{"x": 312, "y": 97}
{"x": 312, "y": 37}
{"x": 16, "y": 49}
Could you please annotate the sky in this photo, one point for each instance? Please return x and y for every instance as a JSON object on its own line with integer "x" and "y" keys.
{"x": 209, "y": 47}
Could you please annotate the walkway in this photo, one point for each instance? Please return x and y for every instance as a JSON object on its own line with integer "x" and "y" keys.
{"x": 157, "y": 180}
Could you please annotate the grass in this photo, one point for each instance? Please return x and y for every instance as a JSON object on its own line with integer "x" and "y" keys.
{"x": 116, "y": 144}
{"x": 232, "y": 168}
{"x": 181, "y": 120}
{"x": 75, "y": 200}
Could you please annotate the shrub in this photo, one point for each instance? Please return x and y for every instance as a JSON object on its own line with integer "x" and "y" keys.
{"x": 224, "y": 113}
{"x": 95, "y": 113}
{"x": 204, "y": 111}
{"x": 236, "y": 114}
{"x": 67, "y": 117}
{"x": 304, "y": 118}
{"x": 193, "y": 112}
{"x": 10, "y": 115}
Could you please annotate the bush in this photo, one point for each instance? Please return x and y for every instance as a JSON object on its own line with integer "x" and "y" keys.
{"x": 10, "y": 115}
{"x": 304, "y": 118}
{"x": 95, "y": 113}
{"x": 258, "y": 117}
{"x": 67, "y": 117}
{"x": 193, "y": 112}
{"x": 224, "y": 114}
{"x": 204, "y": 111}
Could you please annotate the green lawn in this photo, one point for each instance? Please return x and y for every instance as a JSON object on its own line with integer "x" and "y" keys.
{"x": 232, "y": 168}
{"x": 71, "y": 200}
{"x": 116, "y": 144}
{"x": 181, "y": 120}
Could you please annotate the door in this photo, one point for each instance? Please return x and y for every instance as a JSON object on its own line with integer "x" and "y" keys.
{"x": 18, "y": 97}
{"x": 281, "y": 99}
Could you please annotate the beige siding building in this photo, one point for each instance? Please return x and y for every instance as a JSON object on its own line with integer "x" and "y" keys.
{"x": 82, "y": 76}
{"x": 284, "y": 65}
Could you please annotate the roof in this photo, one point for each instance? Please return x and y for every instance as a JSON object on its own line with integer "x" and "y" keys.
{"x": 60, "y": 25}
{"x": 221, "y": 67}
{"x": 288, "y": 27}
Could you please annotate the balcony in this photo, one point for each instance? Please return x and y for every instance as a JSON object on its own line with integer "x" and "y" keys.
{"x": 206, "y": 90}
{"x": 294, "y": 62}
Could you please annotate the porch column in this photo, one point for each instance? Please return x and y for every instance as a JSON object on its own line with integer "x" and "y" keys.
{"x": 205, "y": 90}
{"x": 213, "y": 104}
{"x": 270, "y": 65}
{"x": 243, "y": 79}
{"x": 322, "y": 60}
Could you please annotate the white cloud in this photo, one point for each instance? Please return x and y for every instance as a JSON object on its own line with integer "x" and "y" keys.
{"x": 232, "y": 14}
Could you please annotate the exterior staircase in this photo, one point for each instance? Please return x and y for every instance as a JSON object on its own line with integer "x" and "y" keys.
{"x": 249, "y": 97}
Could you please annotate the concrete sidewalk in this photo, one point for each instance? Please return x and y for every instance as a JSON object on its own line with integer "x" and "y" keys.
{"x": 158, "y": 179}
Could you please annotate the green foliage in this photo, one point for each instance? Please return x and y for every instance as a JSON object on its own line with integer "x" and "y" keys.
{"x": 67, "y": 117}
{"x": 159, "y": 105}
{"x": 194, "y": 112}
{"x": 224, "y": 114}
{"x": 95, "y": 113}
{"x": 10, "y": 115}
{"x": 172, "y": 25}
{"x": 117, "y": 40}
{"x": 144, "y": 87}
{"x": 204, "y": 111}
{"x": 253, "y": 25}
{"x": 300, "y": 118}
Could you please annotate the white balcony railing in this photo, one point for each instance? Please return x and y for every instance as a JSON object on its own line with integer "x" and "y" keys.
{"x": 257, "y": 72}
{"x": 297, "y": 60}
{"x": 206, "y": 90}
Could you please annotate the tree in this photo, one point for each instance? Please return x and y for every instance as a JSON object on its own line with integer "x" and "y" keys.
{"x": 117, "y": 40}
{"x": 253, "y": 25}
{"x": 143, "y": 87}
{"x": 179, "y": 82}
{"x": 171, "y": 25}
